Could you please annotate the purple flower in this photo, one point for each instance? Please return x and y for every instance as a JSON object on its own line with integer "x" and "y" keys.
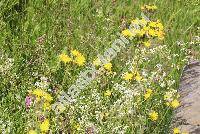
{"x": 28, "y": 102}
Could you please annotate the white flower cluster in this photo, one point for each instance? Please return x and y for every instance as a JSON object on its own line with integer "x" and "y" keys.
{"x": 5, "y": 127}
{"x": 6, "y": 64}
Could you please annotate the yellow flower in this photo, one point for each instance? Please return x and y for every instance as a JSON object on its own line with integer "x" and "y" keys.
{"x": 46, "y": 106}
{"x": 38, "y": 92}
{"x": 153, "y": 24}
{"x": 153, "y": 116}
{"x": 108, "y": 93}
{"x": 108, "y": 66}
{"x": 138, "y": 77}
{"x": 47, "y": 97}
{"x": 146, "y": 29}
{"x": 160, "y": 26}
{"x": 137, "y": 31}
{"x": 75, "y": 52}
{"x": 149, "y": 90}
{"x": 97, "y": 62}
{"x": 147, "y": 94}
{"x": 141, "y": 32}
{"x": 147, "y": 44}
{"x": 128, "y": 76}
{"x": 80, "y": 60}
{"x": 175, "y": 103}
{"x": 32, "y": 132}
{"x": 128, "y": 33}
{"x": 176, "y": 131}
{"x": 152, "y": 32}
{"x": 160, "y": 35}
{"x": 143, "y": 22}
{"x": 64, "y": 58}
{"x": 44, "y": 126}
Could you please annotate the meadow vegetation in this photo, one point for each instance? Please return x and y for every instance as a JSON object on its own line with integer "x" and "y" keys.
{"x": 45, "y": 44}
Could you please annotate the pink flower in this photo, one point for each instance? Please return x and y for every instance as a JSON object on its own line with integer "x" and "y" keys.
{"x": 28, "y": 102}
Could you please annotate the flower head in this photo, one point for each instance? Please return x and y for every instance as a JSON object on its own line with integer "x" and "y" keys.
{"x": 128, "y": 33}
{"x": 75, "y": 52}
{"x": 128, "y": 76}
{"x": 44, "y": 126}
{"x": 147, "y": 94}
{"x": 80, "y": 60}
{"x": 46, "y": 106}
{"x": 153, "y": 115}
{"x": 108, "y": 66}
{"x": 147, "y": 44}
{"x": 64, "y": 58}
{"x": 47, "y": 97}
{"x": 152, "y": 32}
{"x": 38, "y": 92}
{"x": 175, "y": 103}
{"x": 138, "y": 77}
{"x": 176, "y": 131}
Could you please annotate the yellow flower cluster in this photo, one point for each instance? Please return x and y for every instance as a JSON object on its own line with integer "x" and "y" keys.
{"x": 78, "y": 58}
{"x": 44, "y": 127}
{"x": 149, "y": 7}
{"x": 147, "y": 31}
{"x": 171, "y": 99}
{"x": 40, "y": 94}
{"x": 107, "y": 66}
{"x": 46, "y": 99}
{"x": 133, "y": 75}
